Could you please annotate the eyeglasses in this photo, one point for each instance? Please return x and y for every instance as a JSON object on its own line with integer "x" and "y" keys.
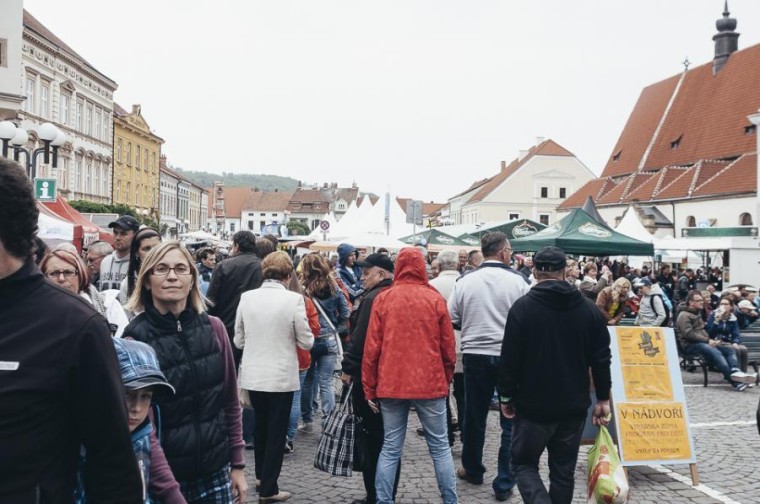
{"x": 57, "y": 273}
{"x": 163, "y": 269}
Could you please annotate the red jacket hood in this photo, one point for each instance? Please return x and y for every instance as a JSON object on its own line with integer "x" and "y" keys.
{"x": 410, "y": 268}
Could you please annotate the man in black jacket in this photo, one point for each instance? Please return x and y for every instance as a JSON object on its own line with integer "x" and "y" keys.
{"x": 377, "y": 275}
{"x": 553, "y": 336}
{"x": 231, "y": 278}
{"x": 60, "y": 383}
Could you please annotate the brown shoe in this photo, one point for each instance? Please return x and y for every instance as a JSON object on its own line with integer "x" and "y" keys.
{"x": 462, "y": 474}
{"x": 282, "y": 496}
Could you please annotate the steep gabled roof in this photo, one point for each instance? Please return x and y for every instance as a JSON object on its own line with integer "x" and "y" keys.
{"x": 736, "y": 178}
{"x": 642, "y": 189}
{"x": 706, "y": 120}
{"x": 595, "y": 188}
{"x": 545, "y": 148}
{"x": 234, "y": 198}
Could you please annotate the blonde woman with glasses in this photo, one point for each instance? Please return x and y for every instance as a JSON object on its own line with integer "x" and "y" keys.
{"x": 200, "y": 426}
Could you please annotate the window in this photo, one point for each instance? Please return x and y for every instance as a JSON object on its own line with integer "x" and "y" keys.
{"x": 104, "y": 182}
{"x": 262, "y": 214}
{"x": 262, "y": 225}
{"x": 544, "y": 192}
{"x": 118, "y": 150}
{"x": 97, "y": 179}
{"x": 117, "y": 196}
{"x": 104, "y": 129}
{"x": 562, "y": 192}
{"x": 691, "y": 221}
{"x": 80, "y": 113}
{"x": 145, "y": 159}
{"x": 675, "y": 143}
{"x": 88, "y": 178}
{"x": 745, "y": 219}
{"x": 153, "y": 164}
{"x": 98, "y": 122}
{"x": 129, "y": 153}
{"x": 232, "y": 227}
{"x": 3, "y": 53}
{"x": 45, "y": 100}
{"x": 750, "y": 130}
{"x": 514, "y": 216}
{"x": 88, "y": 121}
{"x": 63, "y": 170}
{"x": 75, "y": 180}
{"x": 137, "y": 156}
{"x": 274, "y": 215}
{"x": 64, "y": 113}
{"x": 31, "y": 83}
{"x": 616, "y": 157}
{"x": 543, "y": 219}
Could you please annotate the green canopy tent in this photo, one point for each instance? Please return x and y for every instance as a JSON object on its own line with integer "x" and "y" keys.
{"x": 579, "y": 233}
{"x": 513, "y": 229}
{"x": 434, "y": 240}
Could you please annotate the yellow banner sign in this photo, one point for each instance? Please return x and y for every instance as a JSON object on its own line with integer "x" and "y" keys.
{"x": 644, "y": 362}
{"x": 653, "y": 431}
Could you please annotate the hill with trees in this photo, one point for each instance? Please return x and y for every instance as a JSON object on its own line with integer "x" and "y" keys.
{"x": 263, "y": 182}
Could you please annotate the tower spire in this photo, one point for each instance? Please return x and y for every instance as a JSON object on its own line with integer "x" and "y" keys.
{"x": 726, "y": 40}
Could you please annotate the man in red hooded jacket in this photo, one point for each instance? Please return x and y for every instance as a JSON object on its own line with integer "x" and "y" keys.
{"x": 409, "y": 358}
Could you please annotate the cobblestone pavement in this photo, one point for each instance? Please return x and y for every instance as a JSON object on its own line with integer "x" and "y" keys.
{"x": 726, "y": 459}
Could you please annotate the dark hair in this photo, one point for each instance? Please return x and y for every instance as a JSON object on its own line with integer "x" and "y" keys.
{"x": 40, "y": 249}
{"x": 692, "y": 294}
{"x": 204, "y": 253}
{"x": 316, "y": 278}
{"x": 264, "y": 248}
{"x": 382, "y": 250}
{"x": 18, "y": 210}
{"x": 245, "y": 240}
{"x": 134, "y": 258}
{"x": 272, "y": 238}
{"x": 491, "y": 243}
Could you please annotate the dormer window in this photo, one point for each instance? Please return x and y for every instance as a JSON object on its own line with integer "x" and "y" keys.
{"x": 675, "y": 143}
{"x": 616, "y": 157}
{"x": 750, "y": 130}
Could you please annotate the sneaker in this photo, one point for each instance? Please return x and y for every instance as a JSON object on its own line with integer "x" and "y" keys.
{"x": 740, "y": 377}
{"x": 306, "y": 427}
{"x": 282, "y": 496}
{"x": 741, "y": 387}
{"x": 502, "y": 496}
{"x": 289, "y": 447}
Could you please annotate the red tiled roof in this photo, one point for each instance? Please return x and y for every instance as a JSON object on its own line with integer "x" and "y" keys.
{"x": 669, "y": 175}
{"x": 372, "y": 199}
{"x": 615, "y": 194}
{"x": 707, "y": 170}
{"x": 706, "y": 119}
{"x": 234, "y": 198}
{"x": 642, "y": 189}
{"x": 595, "y": 188}
{"x": 427, "y": 208}
{"x": 638, "y": 131}
{"x": 679, "y": 187}
{"x": 267, "y": 200}
{"x": 545, "y": 148}
{"x": 737, "y": 178}
{"x": 474, "y": 186}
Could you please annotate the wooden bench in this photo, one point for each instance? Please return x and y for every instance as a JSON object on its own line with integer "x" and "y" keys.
{"x": 751, "y": 339}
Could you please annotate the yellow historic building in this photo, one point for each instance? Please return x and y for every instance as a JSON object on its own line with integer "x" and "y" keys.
{"x": 136, "y": 154}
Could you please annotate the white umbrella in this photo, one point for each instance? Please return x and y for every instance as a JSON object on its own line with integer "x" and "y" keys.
{"x": 366, "y": 240}
{"x": 200, "y": 235}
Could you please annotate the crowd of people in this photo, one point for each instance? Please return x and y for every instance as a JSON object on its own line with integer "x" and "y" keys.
{"x": 140, "y": 372}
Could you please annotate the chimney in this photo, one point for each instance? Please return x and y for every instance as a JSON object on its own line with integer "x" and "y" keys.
{"x": 324, "y": 186}
{"x": 726, "y": 40}
{"x": 503, "y": 165}
{"x": 255, "y": 189}
{"x": 136, "y": 109}
{"x": 276, "y": 190}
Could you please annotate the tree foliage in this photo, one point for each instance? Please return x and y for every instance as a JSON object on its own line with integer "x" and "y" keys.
{"x": 120, "y": 209}
{"x": 262, "y": 182}
{"x": 298, "y": 228}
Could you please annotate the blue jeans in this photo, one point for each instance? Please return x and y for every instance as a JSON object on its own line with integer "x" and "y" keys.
{"x": 432, "y": 415}
{"x": 722, "y": 357}
{"x": 295, "y": 410}
{"x": 480, "y": 373}
{"x": 561, "y": 440}
{"x": 323, "y": 355}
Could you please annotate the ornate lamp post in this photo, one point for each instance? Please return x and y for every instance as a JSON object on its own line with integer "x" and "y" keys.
{"x": 16, "y": 138}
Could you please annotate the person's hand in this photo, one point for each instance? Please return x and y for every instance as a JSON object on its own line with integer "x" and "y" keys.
{"x": 508, "y": 410}
{"x": 713, "y": 343}
{"x": 601, "y": 414}
{"x": 239, "y": 485}
{"x": 374, "y": 406}
{"x": 735, "y": 345}
{"x": 345, "y": 378}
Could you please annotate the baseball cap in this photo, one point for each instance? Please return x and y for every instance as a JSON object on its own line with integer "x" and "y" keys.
{"x": 139, "y": 366}
{"x": 550, "y": 259}
{"x": 642, "y": 282}
{"x": 745, "y": 303}
{"x": 125, "y": 222}
{"x": 377, "y": 260}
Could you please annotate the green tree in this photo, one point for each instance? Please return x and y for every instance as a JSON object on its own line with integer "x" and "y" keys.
{"x": 120, "y": 209}
{"x": 298, "y": 228}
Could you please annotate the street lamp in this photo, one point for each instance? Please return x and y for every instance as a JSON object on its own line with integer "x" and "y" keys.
{"x": 15, "y": 138}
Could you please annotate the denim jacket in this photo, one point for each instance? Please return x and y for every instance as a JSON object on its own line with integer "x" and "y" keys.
{"x": 336, "y": 308}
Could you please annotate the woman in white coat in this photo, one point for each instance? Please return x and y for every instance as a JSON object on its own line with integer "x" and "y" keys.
{"x": 270, "y": 322}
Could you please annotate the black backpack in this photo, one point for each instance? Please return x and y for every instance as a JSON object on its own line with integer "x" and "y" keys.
{"x": 666, "y": 322}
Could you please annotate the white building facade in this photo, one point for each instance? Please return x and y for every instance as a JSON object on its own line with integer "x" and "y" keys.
{"x": 169, "y": 182}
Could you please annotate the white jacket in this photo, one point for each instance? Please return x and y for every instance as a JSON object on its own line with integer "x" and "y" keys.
{"x": 270, "y": 322}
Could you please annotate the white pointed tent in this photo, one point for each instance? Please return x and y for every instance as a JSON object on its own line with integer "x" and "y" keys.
{"x": 345, "y": 225}
{"x": 630, "y": 225}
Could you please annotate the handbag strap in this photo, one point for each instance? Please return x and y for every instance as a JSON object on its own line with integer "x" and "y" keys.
{"x": 346, "y": 403}
{"x": 322, "y": 311}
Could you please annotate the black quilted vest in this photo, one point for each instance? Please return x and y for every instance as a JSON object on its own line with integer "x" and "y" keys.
{"x": 193, "y": 425}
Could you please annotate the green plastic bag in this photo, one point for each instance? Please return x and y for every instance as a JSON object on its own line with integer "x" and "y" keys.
{"x": 607, "y": 483}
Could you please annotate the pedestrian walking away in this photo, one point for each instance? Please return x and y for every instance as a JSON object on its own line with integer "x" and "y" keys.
{"x": 553, "y": 327}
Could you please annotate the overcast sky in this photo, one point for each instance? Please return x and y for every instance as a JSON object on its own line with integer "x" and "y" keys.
{"x": 417, "y": 97}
